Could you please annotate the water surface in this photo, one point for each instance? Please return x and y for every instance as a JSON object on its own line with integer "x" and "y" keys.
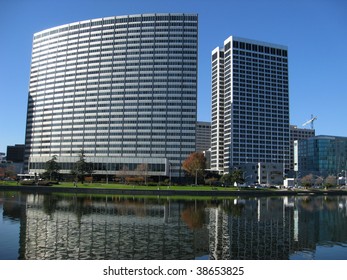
{"x": 57, "y": 226}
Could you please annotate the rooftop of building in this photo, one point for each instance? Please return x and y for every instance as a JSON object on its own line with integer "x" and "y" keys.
{"x": 46, "y": 32}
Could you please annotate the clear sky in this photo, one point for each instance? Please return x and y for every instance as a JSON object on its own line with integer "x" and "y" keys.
{"x": 315, "y": 32}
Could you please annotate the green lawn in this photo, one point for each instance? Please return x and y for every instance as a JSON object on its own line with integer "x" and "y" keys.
{"x": 98, "y": 185}
{"x": 137, "y": 187}
{"x": 8, "y": 183}
{"x": 130, "y": 187}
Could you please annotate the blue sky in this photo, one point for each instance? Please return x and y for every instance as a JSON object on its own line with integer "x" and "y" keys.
{"x": 315, "y": 32}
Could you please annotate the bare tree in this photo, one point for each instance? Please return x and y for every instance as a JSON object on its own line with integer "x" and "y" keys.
{"x": 123, "y": 173}
{"x": 307, "y": 181}
{"x": 319, "y": 181}
{"x": 330, "y": 181}
{"x": 142, "y": 170}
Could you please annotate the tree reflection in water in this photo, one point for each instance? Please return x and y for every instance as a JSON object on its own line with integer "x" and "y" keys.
{"x": 114, "y": 227}
{"x": 194, "y": 216}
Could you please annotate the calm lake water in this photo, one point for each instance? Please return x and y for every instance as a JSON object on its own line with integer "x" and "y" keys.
{"x": 57, "y": 226}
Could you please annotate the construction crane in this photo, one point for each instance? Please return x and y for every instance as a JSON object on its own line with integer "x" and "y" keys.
{"x": 311, "y": 121}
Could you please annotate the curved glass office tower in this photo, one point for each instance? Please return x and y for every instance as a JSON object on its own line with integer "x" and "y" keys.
{"x": 123, "y": 89}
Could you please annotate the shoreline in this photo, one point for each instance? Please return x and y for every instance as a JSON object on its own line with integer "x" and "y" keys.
{"x": 168, "y": 192}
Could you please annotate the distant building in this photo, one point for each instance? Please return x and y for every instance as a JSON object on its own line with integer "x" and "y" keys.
{"x": 123, "y": 89}
{"x": 298, "y": 134}
{"x": 203, "y": 136}
{"x": 321, "y": 155}
{"x": 250, "y": 104}
{"x": 207, "y": 154}
{"x": 2, "y": 157}
{"x": 15, "y": 153}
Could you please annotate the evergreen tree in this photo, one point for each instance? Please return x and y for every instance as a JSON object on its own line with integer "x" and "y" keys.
{"x": 52, "y": 169}
{"x": 82, "y": 167}
{"x": 235, "y": 176}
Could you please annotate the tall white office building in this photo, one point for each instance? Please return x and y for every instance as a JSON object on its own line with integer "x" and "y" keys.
{"x": 123, "y": 89}
{"x": 250, "y": 104}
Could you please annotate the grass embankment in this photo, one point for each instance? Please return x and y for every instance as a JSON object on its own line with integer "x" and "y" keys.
{"x": 8, "y": 183}
{"x": 142, "y": 187}
{"x": 183, "y": 188}
{"x": 97, "y": 185}
{"x": 112, "y": 186}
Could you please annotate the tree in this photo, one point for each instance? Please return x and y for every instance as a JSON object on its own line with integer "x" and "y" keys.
{"x": 123, "y": 173}
{"x": 330, "y": 181}
{"x": 319, "y": 181}
{"x": 142, "y": 171}
{"x": 210, "y": 181}
{"x": 195, "y": 165}
{"x": 227, "y": 179}
{"x": 52, "y": 168}
{"x": 194, "y": 217}
{"x": 238, "y": 176}
{"x": 307, "y": 181}
{"x": 82, "y": 167}
{"x": 235, "y": 176}
{"x": 10, "y": 172}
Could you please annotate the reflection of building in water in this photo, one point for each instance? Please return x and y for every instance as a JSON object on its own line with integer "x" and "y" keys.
{"x": 56, "y": 227}
{"x": 276, "y": 228}
{"x": 307, "y": 225}
{"x": 259, "y": 229}
{"x": 322, "y": 220}
{"x": 109, "y": 230}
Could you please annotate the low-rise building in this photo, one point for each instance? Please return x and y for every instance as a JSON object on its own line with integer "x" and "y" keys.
{"x": 320, "y": 155}
{"x": 2, "y": 157}
{"x": 263, "y": 173}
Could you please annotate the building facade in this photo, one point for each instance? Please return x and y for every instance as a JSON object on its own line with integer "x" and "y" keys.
{"x": 203, "y": 136}
{"x": 261, "y": 173}
{"x": 321, "y": 155}
{"x": 297, "y": 133}
{"x": 250, "y": 104}
{"x": 217, "y": 124}
{"x": 122, "y": 89}
{"x": 15, "y": 153}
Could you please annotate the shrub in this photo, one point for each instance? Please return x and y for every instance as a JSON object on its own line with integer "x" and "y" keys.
{"x": 27, "y": 182}
{"x": 32, "y": 182}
